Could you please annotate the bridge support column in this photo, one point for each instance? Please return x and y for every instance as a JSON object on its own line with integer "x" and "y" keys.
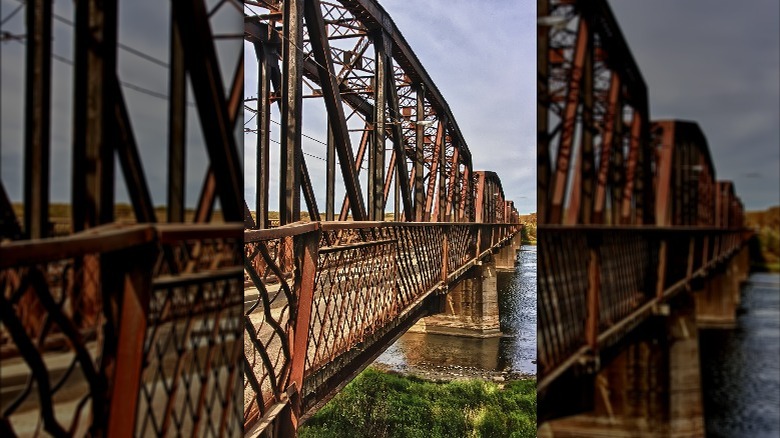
{"x": 506, "y": 258}
{"x": 652, "y": 388}
{"x": 470, "y": 307}
{"x": 718, "y": 296}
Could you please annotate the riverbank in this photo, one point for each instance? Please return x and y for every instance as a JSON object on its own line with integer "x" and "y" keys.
{"x": 451, "y": 403}
{"x": 449, "y": 373}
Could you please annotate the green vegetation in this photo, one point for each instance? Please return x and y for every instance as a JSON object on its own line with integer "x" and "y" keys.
{"x": 381, "y": 405}
{"x": 765, "y": 248}
{"x": 528, "y": 235}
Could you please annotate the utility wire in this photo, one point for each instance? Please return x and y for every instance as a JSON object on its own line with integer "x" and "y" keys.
{"x": 11, "y": 15}
{"x": 126, "y": 84}
{"x": 124, "y": 47}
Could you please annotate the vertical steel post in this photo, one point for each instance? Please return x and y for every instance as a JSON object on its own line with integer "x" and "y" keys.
{"x": 542, "y": 114}
{"x": 569, "y": 122}
{"x": 292, "y": 101}
{"x": 376, "y": 155}
{"x": 419, "y": 163}
{"x": 306, "y": 246}
{"x": 37, "y": 117}
{"x": 330, "y": 189}
{"x": 95, "y": 70}
{"x": 594, "y": 290}
{"x": 177, "y": 131}
{"x": 263, "y": 135}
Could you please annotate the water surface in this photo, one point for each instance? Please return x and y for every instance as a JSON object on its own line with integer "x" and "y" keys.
{"x": 514, "y": 351}
{"x": 741, "y": 367}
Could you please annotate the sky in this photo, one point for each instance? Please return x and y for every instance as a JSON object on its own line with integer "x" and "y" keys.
{"x": 717, "y": 63}
{"x": 482, "y": 57}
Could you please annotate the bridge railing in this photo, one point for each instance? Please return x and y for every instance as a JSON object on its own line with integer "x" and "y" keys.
{"x": 609, "y": 279}
{"x": 332, "y": 295}
{"x": 122, "y": 331}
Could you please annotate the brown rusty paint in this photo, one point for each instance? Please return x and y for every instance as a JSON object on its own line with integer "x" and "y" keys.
{"x": 633, "y": 157}
{"x": 607, "y": 139}
{"x": 664, "y": 168}
{"x": 561, "y": 176}
{"x": 594, "y": 290}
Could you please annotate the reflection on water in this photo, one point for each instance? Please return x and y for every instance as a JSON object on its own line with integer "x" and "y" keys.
{"x": 741, "y": 367}
{"x": 514, "y": 351}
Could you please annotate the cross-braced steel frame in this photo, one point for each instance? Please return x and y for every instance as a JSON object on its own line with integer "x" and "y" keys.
{"x": 139, "y": 323}
{"x": 384, "y": 115}
{"x": 630, "y": 210}
{"x": 334, "y": 291}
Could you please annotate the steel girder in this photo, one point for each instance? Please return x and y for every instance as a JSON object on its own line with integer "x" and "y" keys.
{"x": 594, "y": 156}
{"x": 384, "y": 115}
{"x": 101, "y": 288}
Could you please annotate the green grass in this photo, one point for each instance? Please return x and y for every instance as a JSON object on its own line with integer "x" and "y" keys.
{"x": 381, "y": 405}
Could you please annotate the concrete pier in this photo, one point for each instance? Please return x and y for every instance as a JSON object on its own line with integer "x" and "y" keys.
{"x": 470, "y": 307}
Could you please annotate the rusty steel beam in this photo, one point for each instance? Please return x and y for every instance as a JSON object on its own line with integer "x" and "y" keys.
{"x": 332, "y": 97}
{"x": 633, "y": 157}
{"x": 543, "y": 163}
{"x": 373, "y": 16}
{"x": 201, "y": 62}
{"x": 607, "y": 143}
{"x": 263, "y": 132}
{"x": 419, "y": 162}
{"x": 208, "y": 193}
{"x": 291, "y": 102}
{"x": 376, "y": 155}
{"x": 37, "y": 118}
{"x": 402, "y": 173}
{"x": 561, "y": 176}
{"x": 92, "y": 189}
{"x": 130, "y": 161}
{"x": 177, "y": 127}
{"x": 330, "y": 193}
{"x": 436, "y": 159}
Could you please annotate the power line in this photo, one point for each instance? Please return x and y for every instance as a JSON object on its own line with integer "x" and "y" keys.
{"x": 11, "y": 15}
{"x": 124, "y": 47}
{"x": 126, "y": 84}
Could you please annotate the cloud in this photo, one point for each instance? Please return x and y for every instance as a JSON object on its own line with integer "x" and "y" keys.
{"x": 707, "y": 62}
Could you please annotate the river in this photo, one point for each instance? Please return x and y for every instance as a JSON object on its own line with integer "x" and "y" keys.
{"x": 741, "y": 367}
{"x": 514, "y": 351}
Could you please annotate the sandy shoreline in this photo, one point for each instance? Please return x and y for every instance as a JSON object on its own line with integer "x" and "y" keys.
{"x": 447, "y": 373}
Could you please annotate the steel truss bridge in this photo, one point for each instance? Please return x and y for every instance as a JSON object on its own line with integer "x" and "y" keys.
{"x": 333, "y": 294}
{"x": 632, "y": 218}
{"x": 136, "y": 327}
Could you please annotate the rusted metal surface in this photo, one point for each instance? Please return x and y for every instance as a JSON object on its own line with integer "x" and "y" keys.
{"x": 354, "y": 286}
{"x": 123, "y": 329}
{"x": 370, "y": 282}
{"x": 379, "y": 102}
{"x": 616, "y": 269}
{"x": 588, "y": 87}
{"x": 638, "y": 218}
{"x": 96, "y": 344}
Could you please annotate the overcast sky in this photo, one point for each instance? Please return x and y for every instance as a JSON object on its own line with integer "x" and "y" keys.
{"x": 716, "y": 62}
{"x": 482, "y": 56}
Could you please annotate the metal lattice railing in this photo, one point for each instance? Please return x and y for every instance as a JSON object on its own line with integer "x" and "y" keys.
{"x": 608, "y": 279}
{"x": 329, "y": 295}
{"x": 133, "y": 329}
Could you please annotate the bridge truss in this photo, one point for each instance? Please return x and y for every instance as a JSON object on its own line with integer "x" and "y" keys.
{"x": 110, "y": 327}
{"x": 332, "y": 295}
{"x": 630, "y": 211}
